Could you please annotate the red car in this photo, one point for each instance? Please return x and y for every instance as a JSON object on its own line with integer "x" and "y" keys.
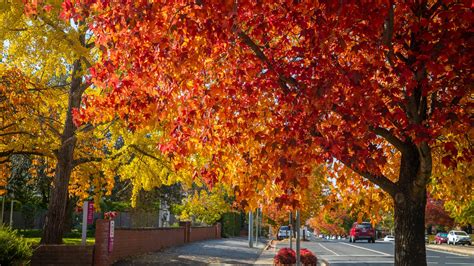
{"x": 363, "y": 231}
{"x": 441, "y": 238}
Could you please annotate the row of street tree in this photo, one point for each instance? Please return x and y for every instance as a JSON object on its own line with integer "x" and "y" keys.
{"x": 281, "y": 105}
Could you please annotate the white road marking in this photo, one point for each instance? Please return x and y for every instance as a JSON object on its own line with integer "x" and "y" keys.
{"x": 329, "y": 250}
{"x": 446, "y": 252}
{"x": 432, "y": 256}
{"x": 358, "y": 262}
{"x": 355, "y": 256}
{"x": 459, "y": 263}
{"x": 375, "y": 251}
{"x": 455, "y": 257}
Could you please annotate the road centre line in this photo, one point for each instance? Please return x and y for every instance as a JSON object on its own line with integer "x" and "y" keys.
{"x": 329, "y": 250}
{"x": 375, "y": 251}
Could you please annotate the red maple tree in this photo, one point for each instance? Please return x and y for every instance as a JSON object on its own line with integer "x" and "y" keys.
{"x": 309, "y": 81}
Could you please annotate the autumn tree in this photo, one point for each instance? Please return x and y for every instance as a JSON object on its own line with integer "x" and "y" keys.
{"x": 306, "y": 80}
{"x": 436, "y": 214}
{"x": 53, "y": 81}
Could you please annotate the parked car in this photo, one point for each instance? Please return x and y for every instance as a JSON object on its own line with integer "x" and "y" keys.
{"x": 441, "y": 238}
{"x": 283, "y": 232}
{"x": 362, "y": 231}
{"x": 427, "y": 239}
{"x": 388, "y": 238}
{"x": 458, "y": 237}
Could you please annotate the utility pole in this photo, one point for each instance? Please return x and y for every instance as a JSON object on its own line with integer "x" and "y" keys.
{"x": 250, "y": 229}
{"x": 298, "y": 238}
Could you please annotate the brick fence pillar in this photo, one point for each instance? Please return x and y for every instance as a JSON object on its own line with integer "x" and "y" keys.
{"x": 187, "y": 231}
{"x": 101, "y": 251}
{"x": 218, "y": 230}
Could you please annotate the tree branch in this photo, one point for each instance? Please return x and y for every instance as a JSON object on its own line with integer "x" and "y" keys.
{"x": 80, "y": 161}
{"x": 379, "y": 180}
{"x": 7, "y": 153}
{"x": 388, "y": 136}
{"x": 17, "y": 133}
{"x": 283, "y": 81}
{"x": 149, "y": 155}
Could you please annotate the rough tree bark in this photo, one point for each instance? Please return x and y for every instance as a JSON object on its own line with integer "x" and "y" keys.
{"x": 410, "y": 203}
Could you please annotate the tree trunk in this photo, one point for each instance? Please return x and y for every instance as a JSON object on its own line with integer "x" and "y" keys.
{"x": 68, "y": 218}
{"x": 55, "y": 218}
{"x": 410, "y": 203}
{"x": 410, "y": 233}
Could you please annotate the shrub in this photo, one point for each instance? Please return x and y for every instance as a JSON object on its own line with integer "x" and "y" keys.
{"x": 285, "y": 256}
{"x": 307, "y": 257}
{"x": 14, "y": 249}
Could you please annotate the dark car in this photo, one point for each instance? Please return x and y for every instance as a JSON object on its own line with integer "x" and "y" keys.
{"x": 362, "y": 231}
{"x": 441, "y": 238}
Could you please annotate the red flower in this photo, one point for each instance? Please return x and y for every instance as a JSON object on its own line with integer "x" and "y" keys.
{"x": 110, "y": 215}
{"x": 307, "y": 257}
{"x": 287, "y": 256}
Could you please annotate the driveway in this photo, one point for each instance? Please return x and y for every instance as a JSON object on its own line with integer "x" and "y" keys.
{"x": 218, "y": 251}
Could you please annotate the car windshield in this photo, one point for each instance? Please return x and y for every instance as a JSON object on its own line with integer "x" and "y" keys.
{"x": 389, "y": 236}
{"x": 284, "y": 228}
{"x": 443, "y": 235}
{"x": 364, "y": 226}
{"x": 460, "y": 233}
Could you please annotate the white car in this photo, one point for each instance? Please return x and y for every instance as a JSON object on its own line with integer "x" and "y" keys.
{"x": 458, "y": 237}
{"x": 389, "y": 238}
{"x": 283, "y": 232}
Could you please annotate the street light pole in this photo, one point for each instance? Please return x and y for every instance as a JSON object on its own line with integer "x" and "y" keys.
{"x": 298, "y": 255}
{"x": 3, "y": 209}
{"x": 250, "y": 229}
{"x": 290, "y": 223}
{"x": 256, "y": 228}
{"x": 11, "y": 213}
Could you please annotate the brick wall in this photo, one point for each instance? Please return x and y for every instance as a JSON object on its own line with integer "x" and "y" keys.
{"x": 62, "y": 255}
{"x": 204, "y": 233}
{"x": 129, "y": 242}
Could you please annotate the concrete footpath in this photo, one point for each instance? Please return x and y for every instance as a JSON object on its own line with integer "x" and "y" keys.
{"x": 466, "y": 250}
{"x": 210, "y": 252}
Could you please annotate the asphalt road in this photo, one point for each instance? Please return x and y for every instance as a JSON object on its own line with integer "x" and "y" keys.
{"x": 341, "y": 252}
